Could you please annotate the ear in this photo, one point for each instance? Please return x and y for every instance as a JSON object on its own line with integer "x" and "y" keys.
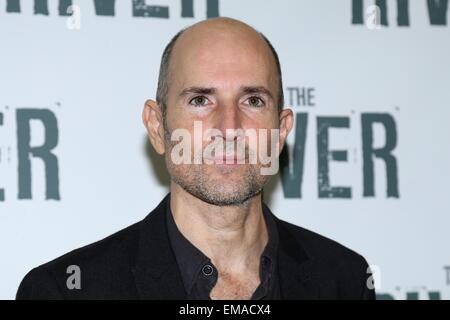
{"x": 153, "y": 122}
{"x": 286, "y": 124}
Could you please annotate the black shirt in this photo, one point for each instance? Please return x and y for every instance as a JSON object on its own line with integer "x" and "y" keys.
{"x": 200, "y": 275}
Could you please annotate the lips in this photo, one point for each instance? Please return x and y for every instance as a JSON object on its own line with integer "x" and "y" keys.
{"x": 227, "y": 160}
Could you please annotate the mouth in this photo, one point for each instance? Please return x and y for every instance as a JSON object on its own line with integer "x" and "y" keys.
{"x": 226, "y": 161}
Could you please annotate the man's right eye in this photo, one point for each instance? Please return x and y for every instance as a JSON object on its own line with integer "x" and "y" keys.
{"x": 199, "y": 101}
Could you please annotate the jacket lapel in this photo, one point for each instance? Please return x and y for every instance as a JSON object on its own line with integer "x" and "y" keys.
{"x": 156, "y": 271}
{"x": 297, "y": 277}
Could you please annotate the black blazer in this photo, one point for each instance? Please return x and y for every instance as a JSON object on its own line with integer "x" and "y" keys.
{"x": 138, "y": 263}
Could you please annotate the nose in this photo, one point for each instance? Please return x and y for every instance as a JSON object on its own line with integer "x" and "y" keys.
{"x": 228, "y": 117}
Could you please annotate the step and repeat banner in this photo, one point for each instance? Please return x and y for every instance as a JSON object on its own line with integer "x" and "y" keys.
{"x": 367, "y": 163}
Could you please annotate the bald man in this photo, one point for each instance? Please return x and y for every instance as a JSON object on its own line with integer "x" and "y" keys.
{"x": 212, "y": 236}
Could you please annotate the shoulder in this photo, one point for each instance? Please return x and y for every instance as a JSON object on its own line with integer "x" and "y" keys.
{"x": 98, "y": 262}
{"x": 340, "y": 270}
{"x": 320, "y": 247}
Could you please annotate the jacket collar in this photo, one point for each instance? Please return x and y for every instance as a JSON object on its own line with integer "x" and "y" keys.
{"x": 297, "y": 272}
{"x": 156, "y": 272}
{"x": 157, "y": 275}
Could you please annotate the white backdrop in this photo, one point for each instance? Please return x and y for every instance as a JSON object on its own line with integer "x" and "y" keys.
{"x": 91, "y": 83}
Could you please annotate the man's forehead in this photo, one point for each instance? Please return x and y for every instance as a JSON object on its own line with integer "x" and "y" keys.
{"x": 222, "y": 53}
{"x": 221, "y": 26}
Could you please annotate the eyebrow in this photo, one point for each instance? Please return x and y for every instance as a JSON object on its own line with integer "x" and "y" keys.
{"x": 257, "y": 89}
{"x": 196, "y": 90}
{"x": 212, "y": 90}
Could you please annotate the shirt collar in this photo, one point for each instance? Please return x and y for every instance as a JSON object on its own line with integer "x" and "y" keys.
{"x": 191, "y": 260}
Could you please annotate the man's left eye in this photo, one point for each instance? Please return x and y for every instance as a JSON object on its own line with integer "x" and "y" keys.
{"x": 199, "y": 101}
{"x": 255, "y": 101}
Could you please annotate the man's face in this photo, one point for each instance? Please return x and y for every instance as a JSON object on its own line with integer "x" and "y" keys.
{"x": 222, "y": 79}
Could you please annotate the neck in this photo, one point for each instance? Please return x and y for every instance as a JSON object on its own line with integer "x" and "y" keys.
{"x": 231, "y": 236}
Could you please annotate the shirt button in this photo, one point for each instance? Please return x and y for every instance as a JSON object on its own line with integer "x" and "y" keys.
{"x": 207, "y": 270}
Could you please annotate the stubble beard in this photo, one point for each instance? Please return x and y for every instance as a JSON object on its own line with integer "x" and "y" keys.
{"x": 225, "y": 189}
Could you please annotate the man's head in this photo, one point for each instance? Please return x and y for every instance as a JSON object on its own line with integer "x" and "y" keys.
{"x": 226, "y": 75}
{"x": 163, "y": 80}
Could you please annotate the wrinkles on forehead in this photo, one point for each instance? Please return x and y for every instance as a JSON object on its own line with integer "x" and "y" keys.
{"x": 222, "y": 53}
